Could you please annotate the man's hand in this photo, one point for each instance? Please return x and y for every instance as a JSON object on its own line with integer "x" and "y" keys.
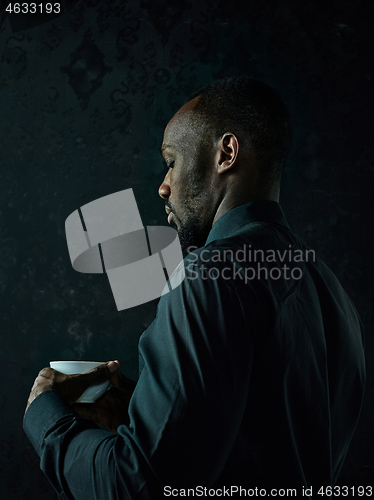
{"x": 71, "y": 386}
{"x": 111, "y": 410}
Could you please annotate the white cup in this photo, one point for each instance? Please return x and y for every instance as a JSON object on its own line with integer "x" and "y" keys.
{"x": 93, "y": 392}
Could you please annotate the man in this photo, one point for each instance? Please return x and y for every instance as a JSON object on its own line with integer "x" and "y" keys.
{"x": 252, "y": 374}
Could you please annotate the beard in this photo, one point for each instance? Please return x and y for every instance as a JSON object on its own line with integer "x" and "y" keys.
{"x": 189, "y": 237}
{"x": 190, "y": 233}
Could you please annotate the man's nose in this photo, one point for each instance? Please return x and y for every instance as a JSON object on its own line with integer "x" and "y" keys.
{"x": 164, "y": 189}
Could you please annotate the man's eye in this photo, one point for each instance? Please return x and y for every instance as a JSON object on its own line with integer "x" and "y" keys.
{"x": 170, "y": 163}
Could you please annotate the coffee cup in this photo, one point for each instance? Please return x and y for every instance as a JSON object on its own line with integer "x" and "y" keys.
{"x": 92, "y": 393}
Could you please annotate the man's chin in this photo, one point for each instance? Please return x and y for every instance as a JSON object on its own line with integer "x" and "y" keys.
{"x": 183, "y": 236}
{"x": 188, "y": 241}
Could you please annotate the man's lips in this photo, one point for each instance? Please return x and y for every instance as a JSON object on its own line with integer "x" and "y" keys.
{"x": 170, "y": 214}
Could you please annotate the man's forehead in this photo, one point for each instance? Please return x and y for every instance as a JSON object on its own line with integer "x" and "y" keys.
{"x": 187, "y": 107}
{"x": 179, "y": 124}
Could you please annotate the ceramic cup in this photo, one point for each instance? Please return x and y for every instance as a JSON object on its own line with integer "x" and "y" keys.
{"x": 93, "y": 392}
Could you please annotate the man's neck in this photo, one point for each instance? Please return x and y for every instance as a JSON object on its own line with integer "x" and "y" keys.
{"x": 228, "y": 203}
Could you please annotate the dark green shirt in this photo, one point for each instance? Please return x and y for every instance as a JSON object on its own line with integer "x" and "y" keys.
{"x": 251, "y": 375}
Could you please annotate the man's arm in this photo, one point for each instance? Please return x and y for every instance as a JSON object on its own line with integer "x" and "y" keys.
{"x": 184, "y": 414}
{"x": 73, "y": 449}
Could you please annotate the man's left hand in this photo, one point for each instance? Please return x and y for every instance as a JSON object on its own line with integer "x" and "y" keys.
{"x": 70, "y": 386}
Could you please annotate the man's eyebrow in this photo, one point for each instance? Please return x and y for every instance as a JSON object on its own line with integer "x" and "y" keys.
{"x": 165, "y": 146}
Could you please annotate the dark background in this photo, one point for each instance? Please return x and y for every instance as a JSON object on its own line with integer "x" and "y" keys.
{"x": 84, "y": 100}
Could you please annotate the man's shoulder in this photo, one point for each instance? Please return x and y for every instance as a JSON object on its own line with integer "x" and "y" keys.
{"x": 241, "y": 245}
{"x": 257, "y": 255}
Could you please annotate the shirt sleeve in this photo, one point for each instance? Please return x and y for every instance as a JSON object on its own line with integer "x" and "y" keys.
{"x": 185, "y": 412}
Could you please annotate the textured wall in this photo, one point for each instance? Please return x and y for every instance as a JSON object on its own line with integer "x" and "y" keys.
{"x": 84, "y": 100}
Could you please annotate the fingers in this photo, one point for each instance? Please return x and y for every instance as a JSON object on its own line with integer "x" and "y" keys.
{"x": 85, "y": 411}
{"x": 113, "y": 366}
{"x": 120, "y": 382}
{"x": 109, "y": 411}
{"x": 99, "y": 416}
{"x": 98, "y": 374}
{"x": 46, "y": 372}
{"x": 115, "y": 379}
{"x": 72, "y": 386}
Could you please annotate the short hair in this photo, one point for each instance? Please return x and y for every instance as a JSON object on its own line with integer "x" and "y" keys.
{"x": 255, "y": 112}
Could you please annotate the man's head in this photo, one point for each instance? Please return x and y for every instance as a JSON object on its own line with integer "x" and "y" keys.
{"x": 226, "y": 146}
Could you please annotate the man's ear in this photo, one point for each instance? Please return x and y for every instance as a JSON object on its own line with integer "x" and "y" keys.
{"x": 228, "y": 152}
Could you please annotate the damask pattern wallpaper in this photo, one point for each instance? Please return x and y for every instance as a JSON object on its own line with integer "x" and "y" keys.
{"x": 84, "y": 99}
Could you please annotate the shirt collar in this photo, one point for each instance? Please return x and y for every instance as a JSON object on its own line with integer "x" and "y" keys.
{"x": 238, "y": 217}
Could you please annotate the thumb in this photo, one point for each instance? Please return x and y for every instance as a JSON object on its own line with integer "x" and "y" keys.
{"x": 99, "y": 374}
{"x": 116, "y": 377}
